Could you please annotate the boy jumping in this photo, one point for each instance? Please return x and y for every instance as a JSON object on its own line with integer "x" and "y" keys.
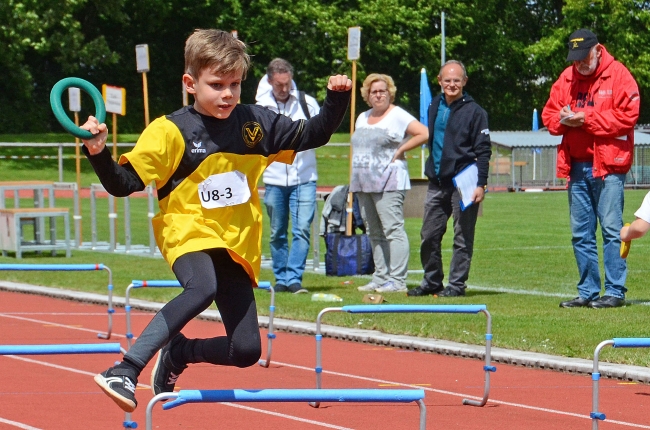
{"x": 206, "y": 160}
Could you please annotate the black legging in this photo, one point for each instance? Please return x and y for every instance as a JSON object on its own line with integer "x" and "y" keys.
{"x": 206, "y": 276}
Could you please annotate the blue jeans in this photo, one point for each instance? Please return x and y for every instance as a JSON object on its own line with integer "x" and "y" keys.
{"x": 593, "y": 200}
{"x": 299, "y": 203}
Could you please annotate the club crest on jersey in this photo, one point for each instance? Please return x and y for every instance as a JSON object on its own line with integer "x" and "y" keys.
{"x": 252, "y": 133}
{"x": 198, "y": 148}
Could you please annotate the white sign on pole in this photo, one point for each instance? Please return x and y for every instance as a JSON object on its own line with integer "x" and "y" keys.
{"x": 74, "y": 99}
{"x": 142, "y": 58}
{"x": 115, "y": 99}
{"x": 354, "y": 43}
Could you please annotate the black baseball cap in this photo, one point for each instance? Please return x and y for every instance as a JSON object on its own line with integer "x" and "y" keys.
{"x": 580, "y": 43}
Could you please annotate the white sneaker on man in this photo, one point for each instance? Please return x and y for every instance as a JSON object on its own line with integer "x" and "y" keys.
{"x": 392, "y": 287}
{"x": 371, "y": 286}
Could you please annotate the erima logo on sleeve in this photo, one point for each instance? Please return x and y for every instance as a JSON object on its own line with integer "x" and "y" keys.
{"x": 485, "y": 131}
{"x": 197, "y": 148}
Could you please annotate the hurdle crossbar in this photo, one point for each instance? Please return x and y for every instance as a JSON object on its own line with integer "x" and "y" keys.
{"x": 140, "y": 283}
{"x": 453, "y": 309}
{"x": 617, "y": 342}
{"x": 72, "y": 268}
{"x": 183, "y": 397}
{"x": 74, "y": 348}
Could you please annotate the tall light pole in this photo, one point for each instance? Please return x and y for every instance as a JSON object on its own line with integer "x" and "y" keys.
{"x": 442, "y": 39}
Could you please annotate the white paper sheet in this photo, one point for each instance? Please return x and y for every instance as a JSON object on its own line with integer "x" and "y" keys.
{"x": 466, "y": 182}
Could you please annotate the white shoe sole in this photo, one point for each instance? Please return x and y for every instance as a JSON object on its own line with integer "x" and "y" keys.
{"x": 153, "y": 372}
{"x": 127, "y": 405}
{"x": 391, "y": 290}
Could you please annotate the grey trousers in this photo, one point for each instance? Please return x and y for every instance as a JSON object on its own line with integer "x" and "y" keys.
{"x": 383, "y": 216}
{"x": 441, "y": 203}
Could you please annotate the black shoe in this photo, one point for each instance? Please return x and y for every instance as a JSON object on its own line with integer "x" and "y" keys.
{"x": 279, "y": 288}
{"x": 419, "y": 292}
{"x": 607, "y": 302}
{"x": 165, "y": 373}
{"x": 451, "y": 292}
{"x": 578, "y": 302}
{"x": 119, "y": 383}
{"x": 296, "y": 289}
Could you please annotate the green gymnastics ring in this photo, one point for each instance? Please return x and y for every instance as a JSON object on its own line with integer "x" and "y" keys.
{"x": 62, "y": 116}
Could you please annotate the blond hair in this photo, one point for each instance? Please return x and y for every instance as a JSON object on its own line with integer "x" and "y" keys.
{"x": 216, "y": 50}
{"x": 378, "y": 77}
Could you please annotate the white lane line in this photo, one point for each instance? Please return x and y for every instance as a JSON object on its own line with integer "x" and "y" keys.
{"x": 17, "y": 424}
{"x": 451, "y": 393}
{"x": 148, "y": 387}
{"x": 520, "y": 291}
{"x": 90, "y": 314}
{"x": 54, "y": 324}
{"x": 538, "y": 293}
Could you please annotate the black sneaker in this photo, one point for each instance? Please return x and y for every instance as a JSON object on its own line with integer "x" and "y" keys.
{"x": 419, "y": 291}
{"x": 451, "y": 292}
{"x": 280, "y": 288}
{"x": 165, "y": 373}
{"x": 578, "y": 302}
{"x": 119, "y": 383}
{"x": 607, "y": 302}
{"x": 296, "y": 289}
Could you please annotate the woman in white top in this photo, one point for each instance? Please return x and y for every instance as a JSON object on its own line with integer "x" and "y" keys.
{"x": 380, "y": 179}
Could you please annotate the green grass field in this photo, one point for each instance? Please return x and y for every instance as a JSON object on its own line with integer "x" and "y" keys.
{"x": 523, "y": 266}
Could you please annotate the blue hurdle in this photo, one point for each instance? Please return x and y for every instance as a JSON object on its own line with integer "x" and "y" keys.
{"x": 183, "y": 397}
{"x": 72, "y": 268}
{"x": 175, "y": 284}
{"x": 74, "y": 348}
{"x": 617, "y": 342}
{"x": 69, "y": 349}
{"x": 450, "y": 309}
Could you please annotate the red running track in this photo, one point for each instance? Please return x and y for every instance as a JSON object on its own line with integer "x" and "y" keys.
{"x": 57, "y": 391}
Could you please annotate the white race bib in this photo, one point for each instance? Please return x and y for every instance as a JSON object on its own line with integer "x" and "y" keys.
{"x": 224, "y": 189}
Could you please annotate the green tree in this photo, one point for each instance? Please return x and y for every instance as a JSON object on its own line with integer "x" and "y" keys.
{"x": 40, "y": 40}
{"x": 513, "y": 49}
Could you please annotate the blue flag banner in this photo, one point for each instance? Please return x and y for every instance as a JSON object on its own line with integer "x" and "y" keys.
{"x": 535, "y": 120}
{"x": 425, "y": 97}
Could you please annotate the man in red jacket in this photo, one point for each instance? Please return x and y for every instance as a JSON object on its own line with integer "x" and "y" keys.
{"x": 594, "y": 106}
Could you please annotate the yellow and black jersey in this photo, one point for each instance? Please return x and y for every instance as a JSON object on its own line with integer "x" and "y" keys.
{"x": 206, "y": 172}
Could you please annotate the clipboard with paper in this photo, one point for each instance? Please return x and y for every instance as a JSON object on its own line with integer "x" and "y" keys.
{"x": 466, "y": 182}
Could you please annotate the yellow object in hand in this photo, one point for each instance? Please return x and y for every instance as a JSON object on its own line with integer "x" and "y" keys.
{"x": 625, "y": 246}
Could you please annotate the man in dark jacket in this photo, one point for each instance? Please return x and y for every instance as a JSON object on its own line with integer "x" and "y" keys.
{"x": 459, "y": 138}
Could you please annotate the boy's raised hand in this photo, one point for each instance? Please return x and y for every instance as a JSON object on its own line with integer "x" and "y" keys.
{"x": 100, "y": 133}
{"x": 339, "y": 83}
